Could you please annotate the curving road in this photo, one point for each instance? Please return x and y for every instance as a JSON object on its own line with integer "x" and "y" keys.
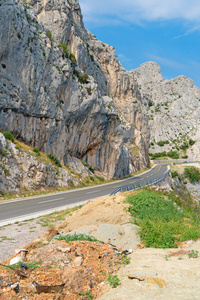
{"x": 26, "y": 208}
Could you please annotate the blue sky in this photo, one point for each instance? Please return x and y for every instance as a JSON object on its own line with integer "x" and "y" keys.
{"x": 167, "y": 32}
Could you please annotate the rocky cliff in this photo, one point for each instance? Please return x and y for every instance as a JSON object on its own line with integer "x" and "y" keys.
{"x": 64, "y": 92}
{"x": 173, "y": 110}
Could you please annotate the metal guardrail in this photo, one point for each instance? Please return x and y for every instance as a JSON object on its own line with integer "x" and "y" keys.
{"x": 141, "y": 184}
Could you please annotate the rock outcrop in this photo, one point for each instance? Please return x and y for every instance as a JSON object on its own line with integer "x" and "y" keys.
{"x": 172, "y": 107}
{"x": 64, "y": 92}
{"x": 22, "y": 170}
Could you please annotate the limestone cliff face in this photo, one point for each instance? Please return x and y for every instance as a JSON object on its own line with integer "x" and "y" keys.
{"x": 172, "y": 107}
{"x": 48, "y": 100}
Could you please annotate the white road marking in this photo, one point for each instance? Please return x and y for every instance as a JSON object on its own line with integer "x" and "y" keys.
{"x": 50, "y": 200}
{"x": 93, "y": 192}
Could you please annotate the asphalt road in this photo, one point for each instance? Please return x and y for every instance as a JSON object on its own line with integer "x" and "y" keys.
{"x": 25, "y": 208}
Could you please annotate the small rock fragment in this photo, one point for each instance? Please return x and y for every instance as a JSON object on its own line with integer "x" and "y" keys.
{"x": 78, "y": 261}
{"x": 20, "y": 257}
{"x": 64, "y": 250}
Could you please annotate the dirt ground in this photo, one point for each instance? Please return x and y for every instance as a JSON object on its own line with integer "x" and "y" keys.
{"x": 145, "y": 273}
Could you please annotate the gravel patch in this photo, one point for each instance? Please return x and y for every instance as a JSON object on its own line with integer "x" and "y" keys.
{"x": 18, "y": 235}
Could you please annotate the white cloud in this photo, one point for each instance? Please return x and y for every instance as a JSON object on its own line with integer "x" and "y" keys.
{"x": 124, "y": 59}
{"x": 189, "y": 31}
{"x": 137, "y": 11}
{"x": 167, "y": 62}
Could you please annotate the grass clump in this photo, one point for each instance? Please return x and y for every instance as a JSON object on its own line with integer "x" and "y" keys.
{"x": 9, "y": 136}
{"x": 100, "y": 178}
{"x": 51, "y": 219}
{"x": 162, "y": 222}
{"x": 125, "y": 260}
{"x": 88, "y": 295}
{"x": 29, "y": 265}
{"x": 76, "y": 237}
{"x": 49, "y": 35}
{"x": 63, "y": 47}
{"x": 3, "y": 152}
{"x": 192, "y": 173}
{"x": 82, "y": 77}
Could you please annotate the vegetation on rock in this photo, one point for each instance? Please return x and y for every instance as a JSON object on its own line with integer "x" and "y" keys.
{"x": 192, "y": 173}
{"x": 9, "y": 136}
{"x": 53, "y": 158}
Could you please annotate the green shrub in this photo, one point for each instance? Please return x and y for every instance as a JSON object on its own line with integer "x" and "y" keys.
{"x": 174, "y": 174}
{"x": 193, "y": 253}
{"x": 72, "y": 57}
{"x": 150, "y": 103}
{"x": 53, "y": 158}
{"x": 191, "y": 142}
{"x": 192, "y": 173}
{"x": 92, "y": 169}
{"x": 158, "y": 154}
{"x": 83, "y": 78}
{"x": 76, "y": 73}
{"x": 9, "y": 136}
{"x": 113, "y": 280}
{"x": 36, "y": 151}
{"x": 173, "y": 154}
{"x": 161, "y": 143}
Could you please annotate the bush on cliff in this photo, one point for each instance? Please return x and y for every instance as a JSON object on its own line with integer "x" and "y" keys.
{"x": 53, "y": 158}
{"x": 9, "y": 136}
